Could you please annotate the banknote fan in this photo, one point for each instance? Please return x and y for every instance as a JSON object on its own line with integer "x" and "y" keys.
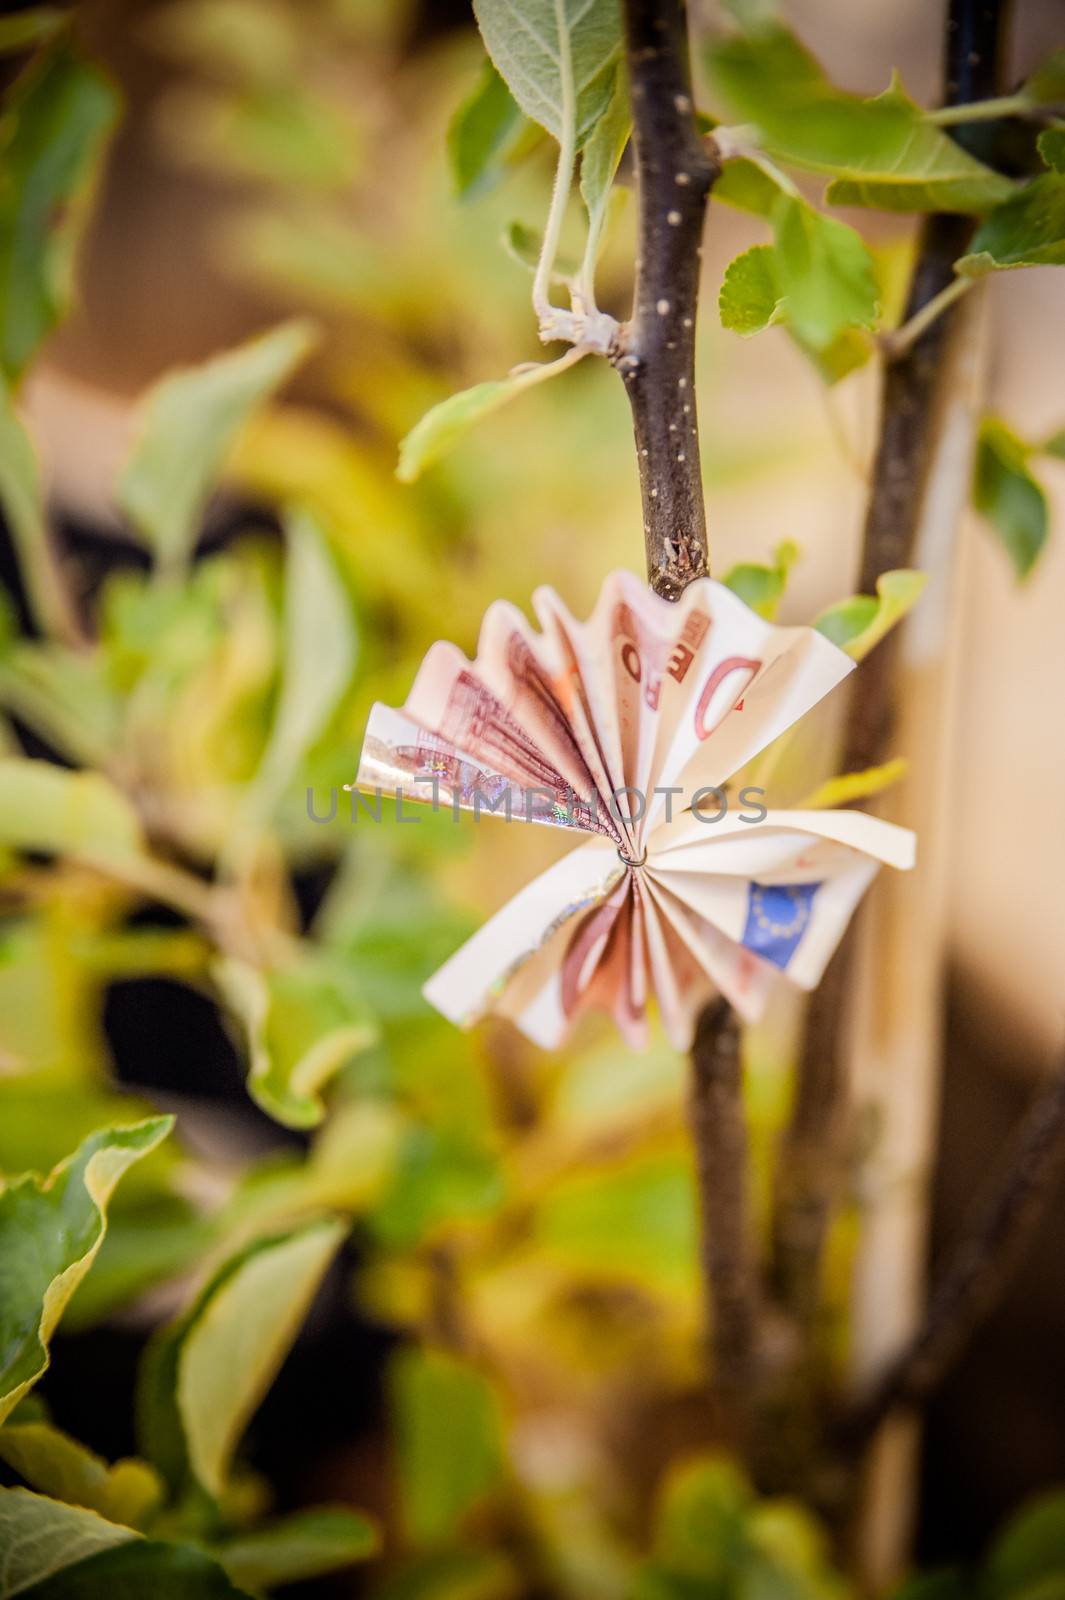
{"x": 627, "y": 729}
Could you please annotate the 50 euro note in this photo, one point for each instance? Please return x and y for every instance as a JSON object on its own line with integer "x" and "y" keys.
{"x": 613, "y": 727}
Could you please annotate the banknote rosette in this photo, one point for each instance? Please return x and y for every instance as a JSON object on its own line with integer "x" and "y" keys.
{"x": 627, "y": 728}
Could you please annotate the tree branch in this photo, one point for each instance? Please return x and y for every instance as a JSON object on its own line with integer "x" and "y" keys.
{"x": 675, "y": 171}
{"x": 719, "y": 1132}
{"x": 911, "y": 396}
{"x": 980, "y": 1271}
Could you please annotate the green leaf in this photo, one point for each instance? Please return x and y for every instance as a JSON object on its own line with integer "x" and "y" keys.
{"x": 748, "y": 301}
{"x": 441, "y": 429}
{"x": 307, "y": 1544}
{"x": 1051, "y": 144}
{"x": 54, "y": 1464}
{"x": 319, "y": 654}
{"x": 557, "y": 57}
{"x": 700, "y": 1523}
{"x": 483, "y": 133}
{"x": 51, "y": 138}
{"x": 439, "y": 1177}
{"x": 630, "y": 1223}
{"x": 817, "y": 278}
{"x": 447, "y": 1438}
{"x": 137, "y": 1570}
{"x": 302, "y": 1023}
{"x": 524, "y": 244}
{"x": 1007, "y": 495}
{"x": 189, "y": 422}
{"x": 824, "y": 274}
{"x": 39, "y": 1536}
{"x": 204, "y": 1377}
{"x": 881, "y": 152}
{"x": 844, "y": 354}
{"x": 469, "y": 1574}
{"x": 603, "y": 153}
{"x": 50, "y": 1232}
{"x": 1027, "y": 231}
{"x": 1030, "y": 1551}
{"x": 22, "y": 506}
{"x": 748, "y": 187}
{"x": 24, "y": 29}
{"x": 857, "y": 624}
{"x": 1046, "y": 85}
{"x": 1053, "y": 446}
{"x": 43, "y": 807}
{"x": 762, "y": 588}
{"x": 713, "y": 1538}
{"x": 935, "y": 1586}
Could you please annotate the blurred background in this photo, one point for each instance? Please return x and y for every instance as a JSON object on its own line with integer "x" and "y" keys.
{"x": 281, "y": 157}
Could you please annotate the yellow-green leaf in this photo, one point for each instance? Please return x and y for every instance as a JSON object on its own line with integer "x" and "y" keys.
{"x": 319, "y": 653}
{"x": 55, "y": 120}
{"x": 1051, "y": 143}
{"x": 857, "y": 624}
{"x": 749, "y": 300}
{"x": 881, "y": 151}
{"x": 556, "y": 56}
{"x": 851, "y": 786}
{"x": 189, "y": 422}
{"x": 1028, "y": 230}
{"x": 203, "y": 1377}
{"x": 441, "y": 429}
{"x": 54, "y": 1464}
{"x": 307, "y": 1544}
{"x": 43, "y": 807}
{"x": 39, "y": 1536}
{"x": 1007, "y": 496}
{"x": 302, "y": 1023}
{"x": 762, "y": 587}
{"x": 602, "y": 154}
{"x": 24, "y": 29}
{"x": 50, "y": 1232}
{"x": 448, "y": 1440}
{"x": 483, "y": 133}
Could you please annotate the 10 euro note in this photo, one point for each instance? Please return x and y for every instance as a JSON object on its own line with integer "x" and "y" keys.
{"x": 627, "y": 728}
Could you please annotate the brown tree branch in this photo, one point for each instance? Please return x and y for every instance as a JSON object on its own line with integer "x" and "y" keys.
{"x": 656, "y": 356}
{"x": 813, "y": 1152}
{"x": 980, "y": 1271}
{"x": 719, "y": 1132}
{"x": 675, "y": 171}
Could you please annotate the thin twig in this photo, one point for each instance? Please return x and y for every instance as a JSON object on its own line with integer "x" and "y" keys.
{"x": 912, "y": 391}
{"x": 980, "y": 1271}
{"x": 675, "y": 171}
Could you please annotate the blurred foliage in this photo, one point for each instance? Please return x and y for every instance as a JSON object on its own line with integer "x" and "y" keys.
{"x": 524, "y": 1226}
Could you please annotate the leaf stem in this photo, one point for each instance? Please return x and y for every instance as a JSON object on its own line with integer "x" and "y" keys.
{"x": 902, "y": 338}
{"x": 1006, "y": 105}
{"x": 528, "y": 377}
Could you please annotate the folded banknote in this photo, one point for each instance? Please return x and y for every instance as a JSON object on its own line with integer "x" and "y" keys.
{"x": 627, "y": 729}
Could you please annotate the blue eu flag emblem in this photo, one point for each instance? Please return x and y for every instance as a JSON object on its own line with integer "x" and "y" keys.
{"x": 778, "y": 915}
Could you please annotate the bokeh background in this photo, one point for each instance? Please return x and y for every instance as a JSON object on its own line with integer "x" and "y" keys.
{"x": 277, "y": 158}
